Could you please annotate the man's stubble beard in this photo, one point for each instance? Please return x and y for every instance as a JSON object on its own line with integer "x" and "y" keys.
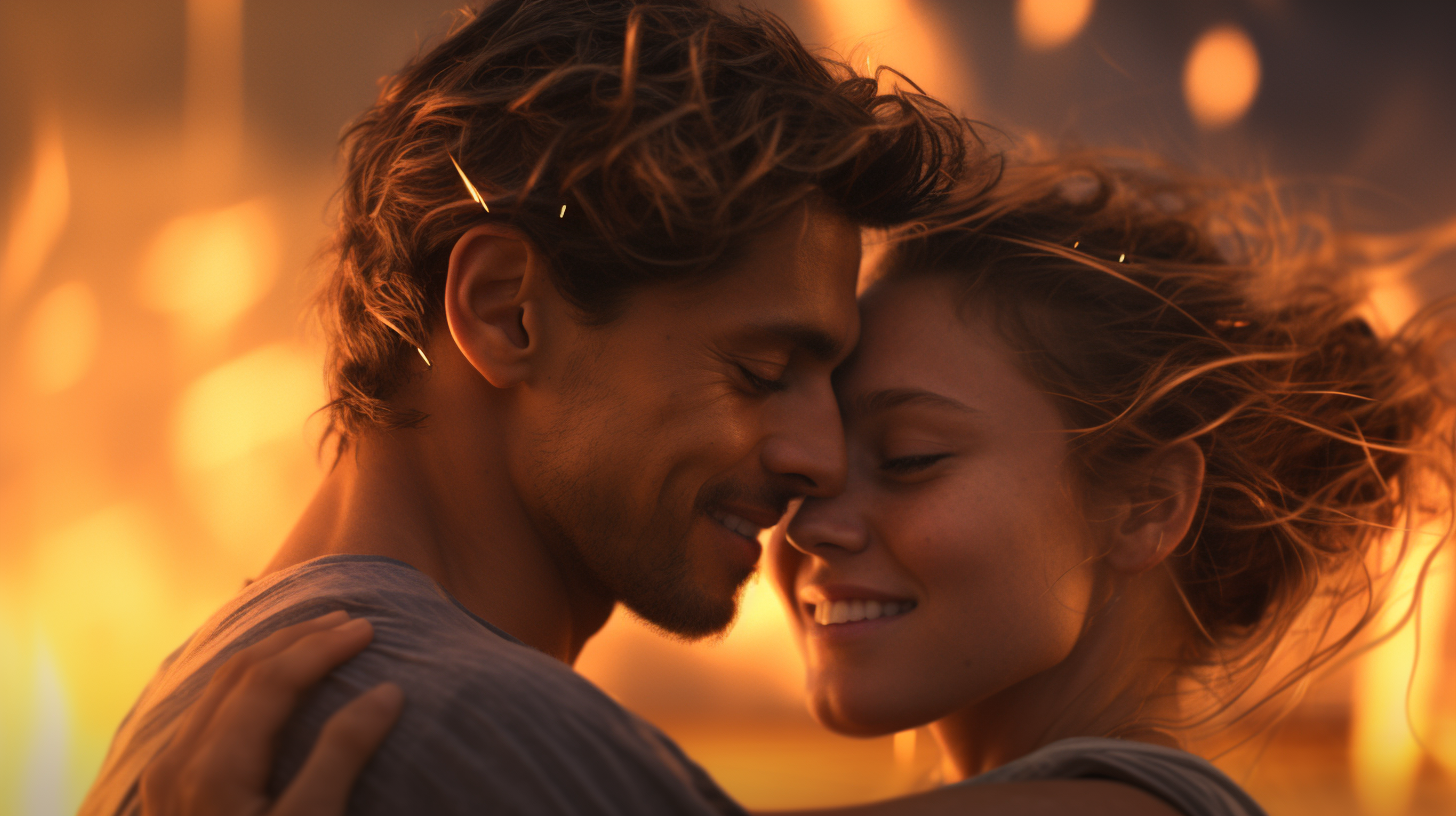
{"x": 644, "y": 565}
{"x": 580, "y": 505}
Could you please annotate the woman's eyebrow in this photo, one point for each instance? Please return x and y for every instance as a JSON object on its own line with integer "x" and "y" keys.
{"x": 885, "y": 399}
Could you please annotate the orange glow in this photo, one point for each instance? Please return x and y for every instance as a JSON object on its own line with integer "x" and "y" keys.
{"x": 1395, "y": 693}
{"x": 904, "y": 749}
{"x": 40, "y": 215}
{"x": 214, "y": 91}
{"x": 89, "y": 662}
{"x": 157, "y": 427}
{"x": 1392, "y": 300}
{"x": 244, "y": 404}
{"x": 1221, "y": 77}
{"x": 1392, "y": 303}
{"x": 16, "y": 703}
{"x": 758, "y": 654}
{"x": 59, "y": 341}
{"x": 1047, "y": 24}
{"x": 901, "y": 34}
{"x": 207, "y": 269}
{"x": 239, "y": 446}
{"x": 44, "y": 787}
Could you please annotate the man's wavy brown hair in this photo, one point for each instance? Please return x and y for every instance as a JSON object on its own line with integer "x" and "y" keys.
{"x": 1155, "y": 307}
{"x": 671, "y": 133}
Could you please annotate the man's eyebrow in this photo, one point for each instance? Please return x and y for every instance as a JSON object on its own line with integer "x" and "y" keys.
{"x": 888, "y": 398}
{"x": 818, "y": 343}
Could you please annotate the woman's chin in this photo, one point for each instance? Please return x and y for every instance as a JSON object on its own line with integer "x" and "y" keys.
{"x": 846, "y": 712}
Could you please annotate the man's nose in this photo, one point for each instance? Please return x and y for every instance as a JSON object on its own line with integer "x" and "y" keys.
{"x": 805, "y": 443}
{"x": 824, "y": 527}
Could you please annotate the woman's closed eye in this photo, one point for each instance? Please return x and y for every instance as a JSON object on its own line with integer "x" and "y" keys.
{"x": 910, "y": 465}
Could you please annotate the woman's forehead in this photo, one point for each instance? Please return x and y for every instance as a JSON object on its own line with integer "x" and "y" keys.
{"x": 914, "y": 336}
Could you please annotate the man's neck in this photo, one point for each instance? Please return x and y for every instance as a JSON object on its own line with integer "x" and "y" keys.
{"x": 441, "y": 505}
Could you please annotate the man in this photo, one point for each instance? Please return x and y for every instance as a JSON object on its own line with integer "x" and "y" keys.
{"x": 595, "y": 264}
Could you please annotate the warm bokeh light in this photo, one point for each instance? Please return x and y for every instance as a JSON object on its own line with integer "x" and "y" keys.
{"x": 166, "y": 178}
{"x": 901, "y": 34}
{"x": 80, "y": 660}
{"x": 1392, "y": 298}
{"x": 1221, "y": 76}
{"x": 757, "y": 658}
{"x": 44, "y": 784}
{"x": 1047, "y": 24}
{"x": 240, "y": 450}
{"x": 206, "y": 269}
{"x": 1398, "y": 683}
{"x": 244, "y": 404}
{"x": 59, "y": 341}
{"x": 40, "y": 214}
{"x": 213, "y": 85}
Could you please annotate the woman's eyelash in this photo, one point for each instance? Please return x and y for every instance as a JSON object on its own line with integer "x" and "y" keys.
{"x": 761, "y": 384}
{"x": 911, "y": 464}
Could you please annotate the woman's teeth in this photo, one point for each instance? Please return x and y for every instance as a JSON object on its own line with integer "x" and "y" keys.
{"x": 832, "y": 612}
{"x": 741, "y": 526}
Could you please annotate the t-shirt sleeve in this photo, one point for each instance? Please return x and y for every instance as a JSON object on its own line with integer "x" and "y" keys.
{"x": 490, "y": 725}
{"x": 1187, "y": 782}
{"x": 508, "y": 738}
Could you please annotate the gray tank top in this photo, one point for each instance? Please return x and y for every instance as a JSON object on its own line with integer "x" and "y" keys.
{"x": 1187, "y": 782}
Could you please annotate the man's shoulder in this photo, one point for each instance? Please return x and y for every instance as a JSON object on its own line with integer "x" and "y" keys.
{"x": 487, "y": 718}
{"x": 425, "y": 640}
{"x": 388, "y": 592}
{"x": 422, "y": 635}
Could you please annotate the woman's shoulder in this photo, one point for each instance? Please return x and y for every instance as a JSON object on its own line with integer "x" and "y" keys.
{"x": 1187, "y": 781}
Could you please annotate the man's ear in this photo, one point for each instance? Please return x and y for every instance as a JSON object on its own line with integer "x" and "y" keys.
{"x": 1156, "y": 508}
{"x": 491, "y": 290}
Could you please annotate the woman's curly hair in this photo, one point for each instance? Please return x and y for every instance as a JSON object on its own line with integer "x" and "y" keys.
{"x": 1157, "y": 308}
{"x": 633, "y": 141}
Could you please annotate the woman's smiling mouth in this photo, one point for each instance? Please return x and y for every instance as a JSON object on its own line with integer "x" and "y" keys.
{"x": 837, "y": 605}
{"x": 831, "y": 613}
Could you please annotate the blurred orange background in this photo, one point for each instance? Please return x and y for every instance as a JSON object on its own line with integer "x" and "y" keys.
{"x": 168, "y": 166}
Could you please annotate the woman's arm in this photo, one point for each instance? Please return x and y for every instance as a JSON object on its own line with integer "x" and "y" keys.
{"x": 218, "y": 761}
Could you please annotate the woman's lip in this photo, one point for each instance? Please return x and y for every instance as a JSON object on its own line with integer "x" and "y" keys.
{"x": 828, "y": 593}
{"x": 846, "y": 632}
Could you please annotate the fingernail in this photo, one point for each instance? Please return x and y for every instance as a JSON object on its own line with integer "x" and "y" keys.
{"x": 354, "y": 625}
{"x": 336, "y": 617}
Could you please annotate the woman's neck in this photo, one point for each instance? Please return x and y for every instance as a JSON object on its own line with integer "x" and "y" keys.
{"x": 1120, "y": 680}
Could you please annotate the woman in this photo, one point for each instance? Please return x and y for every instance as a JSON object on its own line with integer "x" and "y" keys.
{"x": 1108, "y": 438}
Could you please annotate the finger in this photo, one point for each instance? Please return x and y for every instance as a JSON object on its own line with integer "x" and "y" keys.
{"x": 252, "y": 715}
{"x": 227, "y": 677}
{"x": 161, "y": 779}
{"x": 345, "y": 744}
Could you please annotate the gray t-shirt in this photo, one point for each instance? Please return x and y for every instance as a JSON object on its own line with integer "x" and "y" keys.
{"x": 1187, "y": 782}
{"x": 489, "y": 726}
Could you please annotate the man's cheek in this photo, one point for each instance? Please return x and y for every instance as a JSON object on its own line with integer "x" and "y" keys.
{"x": 784, "y": 563}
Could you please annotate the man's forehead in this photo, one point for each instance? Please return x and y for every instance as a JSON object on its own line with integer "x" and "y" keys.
{"x": 793, "y": 286}
{"x": 822, "y": 342}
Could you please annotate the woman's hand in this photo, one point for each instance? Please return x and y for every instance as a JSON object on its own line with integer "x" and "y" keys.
{"x": 217, "y": 763}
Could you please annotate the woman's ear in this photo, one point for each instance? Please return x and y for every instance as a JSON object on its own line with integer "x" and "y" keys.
{"x": 491, "y": 290}
{"x": 1155, "y": 510}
